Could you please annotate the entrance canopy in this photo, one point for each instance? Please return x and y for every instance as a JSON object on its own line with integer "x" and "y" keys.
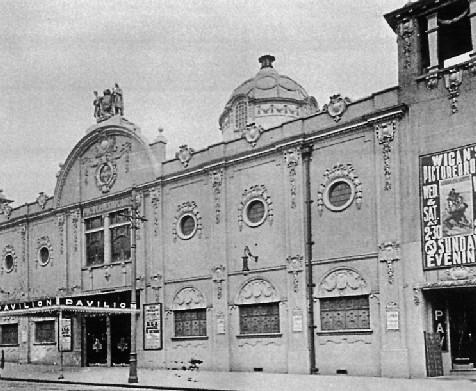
{"x": 110, "y": 303}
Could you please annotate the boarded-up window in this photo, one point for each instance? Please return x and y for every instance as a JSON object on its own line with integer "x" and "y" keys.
{"x": 9, "y": 334}
{"x": 343, "y": 313}
{"x": 259, "y": 318}
{"x": 45, "y": 331}
{"x": 190, "y": 323}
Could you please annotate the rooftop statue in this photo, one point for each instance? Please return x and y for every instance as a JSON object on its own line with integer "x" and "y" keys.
{"x": 111, "y": 103}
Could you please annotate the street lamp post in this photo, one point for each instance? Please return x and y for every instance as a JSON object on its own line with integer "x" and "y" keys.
{"x": 133, "y": 354}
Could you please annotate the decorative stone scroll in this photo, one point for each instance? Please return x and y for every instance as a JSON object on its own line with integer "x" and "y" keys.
{"x": 218, "y": 276}
{"x": 257, "y": 291}
{"x": 340, "y": 171}
{"x": 75, "y": 217}
{"x": 389, "y": 252}
{"x": 385, "y": 132}
{"x": 216, "y": 178}
{"x": 453, "y": 80}
{"x": 295, "y": 266}
{"x": 188, "y": 298}
{"x": 291, "y": 157}
{"x": 342, "y": 282}
{"x": 9, "y": 250}
{"x": 405, "y": 35}
{"x": 188, "y": 207}
{"x": 252, "y": 133}
{"x": 255, "y": 192}
{"x": 336, "y": 107}
{"x": 184, "y": 154}
{"x": 61, "y": 221}
{"x": 155, "y": 195}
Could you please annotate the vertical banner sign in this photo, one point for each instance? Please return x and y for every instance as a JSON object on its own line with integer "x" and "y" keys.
{"x": 439, "y": 326}
{"x": 66, "y": 335}
{"x": 448, "y": 182}
{"x": 153, "y": 326}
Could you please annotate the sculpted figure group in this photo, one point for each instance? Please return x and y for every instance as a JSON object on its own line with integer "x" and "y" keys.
{"x": 111, "y": 103}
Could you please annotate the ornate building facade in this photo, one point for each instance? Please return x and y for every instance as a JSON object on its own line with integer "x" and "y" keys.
{"x": 308, "y": 239}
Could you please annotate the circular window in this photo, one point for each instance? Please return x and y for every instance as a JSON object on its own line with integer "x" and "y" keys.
{"x": 339, "y": 194}
{"x": 44, "y": 255}
{"x": 255, "y": 212}
{"x": 9, "y": 263}
{"x": 187, "y": 226}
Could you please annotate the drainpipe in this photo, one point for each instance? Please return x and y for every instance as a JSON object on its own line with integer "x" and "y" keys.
{"x": 306, "y": 159}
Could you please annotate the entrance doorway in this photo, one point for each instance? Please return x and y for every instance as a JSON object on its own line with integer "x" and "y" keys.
{"x": 120, "y": 339}
{"x": 462, "y": 312}
{"x": 96, "y": 341}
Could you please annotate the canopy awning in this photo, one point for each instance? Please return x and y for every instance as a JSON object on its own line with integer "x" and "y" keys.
{"x": 68, "y": 308}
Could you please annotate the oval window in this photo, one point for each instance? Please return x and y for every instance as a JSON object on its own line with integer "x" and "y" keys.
{"x": 44, "y": 256}
{"x": 339, "y": 194}
{"x": 255, "y": 212}
{"x": 187, "y": 226}
{"x": 9, "y": 263}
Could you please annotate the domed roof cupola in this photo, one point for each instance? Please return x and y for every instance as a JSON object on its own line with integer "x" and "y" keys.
{"x": 268, "y": 99}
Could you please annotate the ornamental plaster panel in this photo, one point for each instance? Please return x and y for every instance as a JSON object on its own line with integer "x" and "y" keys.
{"x": 257, "y": 291}
{"x": 342, "y": 282}
{"x": 188, "y": 298}
{"x": 9, "y": 250}
{"x": 255, "y": 192}
{"x": 191, "y": 208}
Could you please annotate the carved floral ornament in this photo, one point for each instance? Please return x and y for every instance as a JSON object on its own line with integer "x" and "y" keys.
{"x": 295, "y": 266}
{"x": 188, "y": 208}
{"x": 9, "y": 259}
{"x": 385, "y": 132}
{"x": 292, "y": 157}
{"x": 252, "y": 133}
{"x": 405, "y": 34}
{"x": 184, "y": 154}
{"x": 218, "y": 276}
{"x": 257, "y": 291}
{"x": 216, "y": 178}
{"x": 105, "y": 153}
{"x": 339, "y": 173}
{"x": 342, "y": 282}
{"x": 336, "y": 107}
{"x": 251, "y": 194}
{"x": 389, "y": 252}
{"x": 188, "y": 298}
{"x": 41, "y": 200}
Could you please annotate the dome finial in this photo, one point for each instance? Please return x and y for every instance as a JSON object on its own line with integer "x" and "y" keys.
{"x": 266, "y": 61}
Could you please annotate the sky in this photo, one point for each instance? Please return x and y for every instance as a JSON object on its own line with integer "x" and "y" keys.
{"x": 177, "y": 63}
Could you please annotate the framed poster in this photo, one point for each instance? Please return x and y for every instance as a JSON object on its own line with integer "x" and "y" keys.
{"x": 447, "y": 191}
{"x": 66, "y": 335}
{"x": 153, "y": 326}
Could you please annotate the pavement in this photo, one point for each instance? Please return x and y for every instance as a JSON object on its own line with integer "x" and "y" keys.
{"x": 226, "y": 381}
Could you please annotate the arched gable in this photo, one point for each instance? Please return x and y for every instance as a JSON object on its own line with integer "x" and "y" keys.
{"x": 188, "y": 298}
{"x": 342, "y": 281}
{"x": 257, "y": 291}
{"x": 110, "y": 158}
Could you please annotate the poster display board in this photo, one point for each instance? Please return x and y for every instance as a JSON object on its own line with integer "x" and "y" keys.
{"x": 153, "y": 326}
{"x": 65, "y": 335}
{"x": 447, "y": 185}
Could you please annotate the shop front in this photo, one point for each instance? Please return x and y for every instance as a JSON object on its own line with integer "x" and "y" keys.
{"x": 453, "y": 321}
{"x": 95, "y": 328}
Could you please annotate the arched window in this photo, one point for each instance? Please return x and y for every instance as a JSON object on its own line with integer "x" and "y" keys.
{"x": 258, "y": 303}
{"x": 190, "y": 313}
{"x": 241, "y": 114}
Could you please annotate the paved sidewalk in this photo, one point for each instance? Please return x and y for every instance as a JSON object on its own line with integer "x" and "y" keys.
{"x": 205, "y": 380}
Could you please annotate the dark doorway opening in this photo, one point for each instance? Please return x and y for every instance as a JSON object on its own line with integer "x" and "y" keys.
{"x": 462, "y": 312}
{"x": 120, "y": 339}
{"x": 96, "y": 341}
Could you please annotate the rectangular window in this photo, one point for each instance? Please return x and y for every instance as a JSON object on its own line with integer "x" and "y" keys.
{"x": 454, "y": 34}
{"x": 45, "y": 331}
{"x": 9, "y": 334}
{"x": 190, "y": 323}
{"x": 94, "y": 241}
{"x": 345, "y": 313}
{"x": 259, "y": 318}
{"x": 120, "y": 227}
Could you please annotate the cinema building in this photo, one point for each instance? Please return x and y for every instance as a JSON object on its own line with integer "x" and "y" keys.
{"x": 310, "y": 237}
